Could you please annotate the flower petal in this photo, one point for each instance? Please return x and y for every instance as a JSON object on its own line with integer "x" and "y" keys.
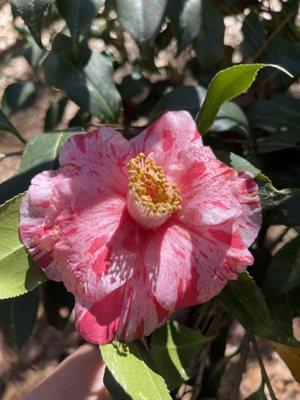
{"x": 166, "y": 137}
{"x": 250, "y": 221}
{"x": 213, "y": 193}
{"x": 79, "y": 234}
{"x": 34, "y": 206}
{"x": 102, "y": 155}
{"x": 207, "y": 243}
{"x": 192, "y": 265}
{"x": 128, "y": 313}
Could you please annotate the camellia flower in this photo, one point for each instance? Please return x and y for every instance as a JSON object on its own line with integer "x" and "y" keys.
{"x": 137, "y": 229}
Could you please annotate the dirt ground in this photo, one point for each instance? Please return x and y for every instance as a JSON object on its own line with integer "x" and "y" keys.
{"x": 47, "y": 347}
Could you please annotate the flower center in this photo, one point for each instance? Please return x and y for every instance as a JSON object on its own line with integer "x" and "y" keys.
{"x": 151, "y": 198}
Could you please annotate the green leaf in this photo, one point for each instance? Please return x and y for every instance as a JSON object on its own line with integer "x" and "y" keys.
{"x": 213, "y": 375}
{"x": 33, "y": 53}
{"x": 40, "y": 154}
{"x": 254, "y": 34}
{"x": 285, "y": 52}
{"x": 279, "y": 115}
{"x": 258, "y": 395}
{"x": 269, "y": 196}
{"x": 226, "y": 85}
{"x": 283, "y": 273}
{"x": 188, "y": 22}
{"x": 18, "y": 273}
{"x": 241, "y": 164}
{"x": 215, "y": 370}
{"x": 6, "y": 125}
{"x": 32, "y": 12}
{"x": 175, "y": 349}
{"x": 115, "y": 390}
{"x": 281, "y": 312}
{"x": 279, "y": 141}
{"x": 17, "y": 318}
{"x": 86, "y": 80}
{"x": 78, "y": 15}
{"x": 44, "y": 150}
{"x": 230, "y": 117}
{"x": 19, "y": 96}
{"x": 132, "y": 367}
{"x": 200, "y": 21}
{"x": 244, "y": 299}
{"x": 191, "y": 98}
{"x": 142, "y": 19}
{"x": 54, "y": 114}
{"x": 209, "y": 41}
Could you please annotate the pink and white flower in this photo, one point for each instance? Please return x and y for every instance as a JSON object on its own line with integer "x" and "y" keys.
{"x": 137, "y": 229}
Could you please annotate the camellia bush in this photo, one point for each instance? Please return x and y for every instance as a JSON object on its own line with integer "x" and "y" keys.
{"x": 145, "y": 213}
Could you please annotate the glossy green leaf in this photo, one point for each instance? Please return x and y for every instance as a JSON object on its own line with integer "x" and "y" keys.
{"x": 40, "y": 154}
{"x": 132, "y": 368}
{"x": 270, "y": 197}
{"x": 279, "y": 116}
{"x": 191, "y": 98}
{"x": 213, "y": 374}
{"x": 201, "y": 22}
{"x": 226, "y": 85}
{"x": 54, "y": 114}
{"x": 44, "y": 150}
{"x": 175, "y": 349}
{"x": 115, "y": 389}
{"x": 230, "y": 117}
{"x": 254, "y": 34}
{"x": 87, "y": 80}
{"x": 188, "y": 21}
{"x": 241, "y": 164}
{"x": 6, "y": 125}
{"x": 32, "y": 12}
{"x": 281, "y": 312}
{"x": 78, "y": 15}
{"x": 17, "y": 318}
{"x": 18, "y": 273}
{"x": 142, "y": 19}
{"x": 279, "y": 141}
{"x": 278, "y": 113}
{"x": 210, "y": 39}
{"x": 33, "y": 53}
{"x": 285, "y": 52}
{"x": 283, "y": 273}
{"x": 19, "y": 96}
{"x": 244, "y": 299}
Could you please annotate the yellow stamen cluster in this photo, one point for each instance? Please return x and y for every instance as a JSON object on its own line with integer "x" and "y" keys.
{"x": 150, "y": 185}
